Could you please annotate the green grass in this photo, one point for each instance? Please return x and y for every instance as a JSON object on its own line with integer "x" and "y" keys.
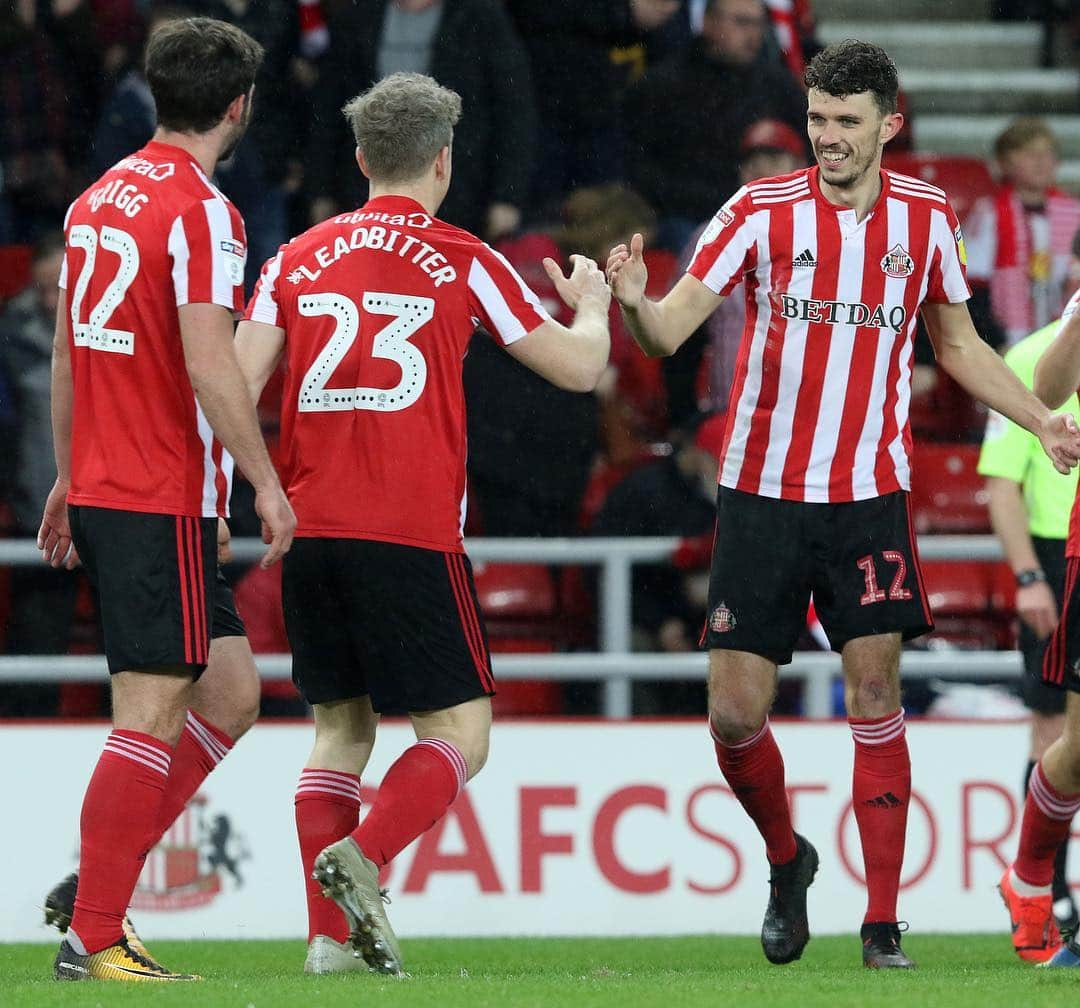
{"x": 585, "y": 973}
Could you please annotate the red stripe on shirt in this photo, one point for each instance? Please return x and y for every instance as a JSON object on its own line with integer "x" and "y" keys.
{"x": 863, "y": 366}
{"x": 818, "y": 341}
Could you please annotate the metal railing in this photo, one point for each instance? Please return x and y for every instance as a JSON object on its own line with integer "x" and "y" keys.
{"x": 614, "y": 665}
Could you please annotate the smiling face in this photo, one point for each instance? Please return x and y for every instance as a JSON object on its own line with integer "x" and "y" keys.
{"x": 847, "y": 135}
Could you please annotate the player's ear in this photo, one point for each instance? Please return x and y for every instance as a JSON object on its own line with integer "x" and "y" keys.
{"x": 237, "y": 107}
{"x": 891, "y": 125}
{"x": 442, "y": 163}
{"x": 362, "y": 163}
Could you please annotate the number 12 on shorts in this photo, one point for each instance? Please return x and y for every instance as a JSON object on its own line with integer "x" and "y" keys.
{"x": 897, "y": 592}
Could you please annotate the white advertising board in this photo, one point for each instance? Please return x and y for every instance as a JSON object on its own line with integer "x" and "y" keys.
{"x": 573, "y": 828}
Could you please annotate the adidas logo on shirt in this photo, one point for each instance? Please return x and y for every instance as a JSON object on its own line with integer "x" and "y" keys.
{"x": 804, "y": 258}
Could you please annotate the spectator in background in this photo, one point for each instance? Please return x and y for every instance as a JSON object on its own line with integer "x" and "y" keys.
{"x": 687, "y": 115}
{"x": 128, "y": 118}
{"x": 699, "y": 376}
{"x": 1018, "y": 240}
{"x": 469, "y": 46}
{"x": 673, "y": 496}
{"x": 1030, "y": 503}
{"x": 42, "y": 599}
{"x": 259, "y": 176}
{"x": 531, "y": 445}
{"x": 41, "y": 116}
{"x": 570, "y": 48}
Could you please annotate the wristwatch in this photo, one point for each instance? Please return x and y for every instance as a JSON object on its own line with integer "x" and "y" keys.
{"x": 1029, "y": 576}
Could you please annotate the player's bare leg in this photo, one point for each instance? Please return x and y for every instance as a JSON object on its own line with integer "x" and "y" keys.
{"x": 1053, "y": 799}
{"x": 327, "y": 809}
{"x": 881, "y": 787}
{"x": 742, "y": 687}
{"x": 451, "y": 748}
{"x": 225, "y": 704}
{"x": 119, "y": 824}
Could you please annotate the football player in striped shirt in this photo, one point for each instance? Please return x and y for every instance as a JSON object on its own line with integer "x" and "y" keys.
{"x": 149, "y": 409}
{"x": 838, "y": 260}
{"x": 373, "y": 311}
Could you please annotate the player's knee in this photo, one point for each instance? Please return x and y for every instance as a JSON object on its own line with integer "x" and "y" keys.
{"x": 476, "y": 757}
{"x": 873, "y": 696}
{"x": 732, "y": 724}
{"x": 163, "y": 723}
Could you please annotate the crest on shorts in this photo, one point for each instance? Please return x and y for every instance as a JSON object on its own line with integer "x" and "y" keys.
{"x": 897, "y": 263}
{"x": 722, "y": 619}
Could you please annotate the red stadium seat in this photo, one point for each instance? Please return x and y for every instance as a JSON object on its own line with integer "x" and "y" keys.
{"x": 964, "y": 598}
{"x": 964, "y": 179}
{"x": 14, "y": 270}
{"x": 947, "y": 493}
{"x": 520, "y": 606}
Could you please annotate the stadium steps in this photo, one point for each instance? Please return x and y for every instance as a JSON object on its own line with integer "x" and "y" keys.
{"x": 960, "y": 45}
{"x": 965, "y": 77}
{"x": 855, "y": 11}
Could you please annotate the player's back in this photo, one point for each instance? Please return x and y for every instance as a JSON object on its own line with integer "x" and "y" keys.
{"x": 378, "y": 306}
{"x": 150, "y": 235}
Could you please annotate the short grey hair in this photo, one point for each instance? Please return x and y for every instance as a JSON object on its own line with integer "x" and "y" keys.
{"x": 402, "y": 123}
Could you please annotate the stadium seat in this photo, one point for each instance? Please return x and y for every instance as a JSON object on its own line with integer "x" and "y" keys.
{"x": 964, "y": 179}
{"x": 947, "y": 493}
{"x": 14, "y": 269}
{"x": 965, "y": 597}
{"x": 520, "y": 606}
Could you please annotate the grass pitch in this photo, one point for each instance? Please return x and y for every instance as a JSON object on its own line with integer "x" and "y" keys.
{"x": 583, "y": 973}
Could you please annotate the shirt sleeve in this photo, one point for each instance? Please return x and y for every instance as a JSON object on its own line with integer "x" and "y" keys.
{"x": 501, "y": 300}
{"x": 947, "y": 280}
{"x": 720, "y": 259}
{"x": 264, "y": 306}
{"x": 208, "y": 249}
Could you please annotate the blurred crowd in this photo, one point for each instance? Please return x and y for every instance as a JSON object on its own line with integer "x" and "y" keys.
{"x": 582, "y": 124}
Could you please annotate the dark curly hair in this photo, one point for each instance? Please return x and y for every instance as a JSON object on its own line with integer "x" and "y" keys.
{"x": 851, "y": 67}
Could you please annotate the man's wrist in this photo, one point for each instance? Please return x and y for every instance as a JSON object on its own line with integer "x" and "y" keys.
{"x": 1030, "y": 576}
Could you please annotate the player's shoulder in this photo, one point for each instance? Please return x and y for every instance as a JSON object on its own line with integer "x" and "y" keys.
{"x": 915, "y": 190}
{"x": 768, "y": 192}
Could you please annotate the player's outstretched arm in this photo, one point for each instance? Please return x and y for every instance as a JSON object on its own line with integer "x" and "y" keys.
{"x": 258, "y": 350}
{"x": 572, "y": 357}
{"x": 54, "y": 535}
{"x": 982, "y": 373}
{"x": 207, "y": 333}
{"x": 1057, "y": 373}
{"x": 658, "y": 327}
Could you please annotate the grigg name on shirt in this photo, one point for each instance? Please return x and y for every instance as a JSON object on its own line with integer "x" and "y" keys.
{"x": 381, "y": 239}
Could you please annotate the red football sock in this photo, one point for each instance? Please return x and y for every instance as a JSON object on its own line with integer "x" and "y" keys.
{"x": 118, "y": 827}
{"x": 880, "y": 792}
{"x": 1047, "y": 817}
{"x": 327, "y": 809}
{"x": 754, "y": 769}
{"x": 413, "y": 796}
{"x": 201, "y": 748}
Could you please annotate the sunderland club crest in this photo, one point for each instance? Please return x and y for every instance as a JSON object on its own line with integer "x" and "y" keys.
{"x": 722, "y": 619}
{"x": 191, "y": 863}
{"x": 897, "y": 263}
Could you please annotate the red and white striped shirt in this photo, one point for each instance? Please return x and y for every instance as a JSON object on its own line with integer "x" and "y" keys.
{"x": 819, "y": 404}
{"x": 152, "y": 234}
{"x": 378, "y": 307}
